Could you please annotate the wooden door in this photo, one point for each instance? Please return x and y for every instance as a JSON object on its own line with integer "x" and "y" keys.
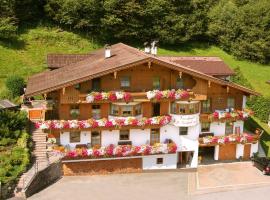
{"x": 227, "y": 152}
{"x": 247, "y": 149}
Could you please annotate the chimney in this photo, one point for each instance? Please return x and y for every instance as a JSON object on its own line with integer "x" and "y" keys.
{"x": 107, "y": 51}
{"x": 146, "y": 47}
{"x": 154, "y": 47}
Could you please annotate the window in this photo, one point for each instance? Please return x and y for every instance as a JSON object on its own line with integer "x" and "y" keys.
{"x": 75, "y": 136}
{"x": 230, "y": 102}
{"x": 124, "y": 135}
{"x": 138, "y": 109}
{"x": 74, "y": 111}
{"x": 205, "y": 127}
{"x": 95, "y": 138}
{"x": 96, "y": 111}
{"x": 126, "y": 111}
{"x": 237, "y": 130}
{"x": 182, "y": 108}
{"x": 179, "y": 83}
{"x": 191, "y": 108}
{"x": 114, "y": 110}
{"x": 159, "y": 161}
{"x": 228, "y": 128}
{"x": 183, "y": 130}
{"x": 154, "y": 137}
{"x": 96, "y": 84}
{"x": 206, "y": 106}
{"x": 125, "y": 81}
{"x": 156, "y": 83}
{"x": 173, "y": 108}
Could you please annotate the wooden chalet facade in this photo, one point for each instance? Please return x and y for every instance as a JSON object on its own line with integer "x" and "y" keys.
{"x": 122, "y": 96}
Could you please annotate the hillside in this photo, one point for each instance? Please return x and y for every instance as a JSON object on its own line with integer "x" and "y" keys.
{"x": 27, "y": 55}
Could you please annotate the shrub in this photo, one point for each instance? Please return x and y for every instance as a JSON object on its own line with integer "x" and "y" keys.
{"x": 261, "y": 107}
{"x": 15, "y": 85}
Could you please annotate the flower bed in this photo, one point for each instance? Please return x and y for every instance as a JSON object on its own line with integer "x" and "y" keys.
{"x": 125, "y": 96}
{"x": 113, "y": 151}
{"x": 231, "y": 116}
{"x": 167, "y": 94}
{"x": 244, "y": 138}
{"x": 112, "y": 96}
{"x": 105, "y": 123}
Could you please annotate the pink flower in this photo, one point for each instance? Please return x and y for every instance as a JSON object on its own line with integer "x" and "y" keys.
{"x": 228, "y": 115}
{"x": 226, "y": 139}
{"x": 238, "y": 139}
{"x": 147, "y": 150}
{"x": 84, "y": 153}
{"x": 81, "y": 124}
{"x": 109, "y": 150}
{"x": 249, "y": 138}
{"x": 98, "y": 97}
{"x": 96, "y": 153}
{"x": 159, "y": 95}
{"x": 72, "y": 154}
{"x": 134, "y": 122}
{"x": 172, "y": 95}
{"x": 112, "y": 96}
{"x": 215, "y": 115}
{"x": 120, "y": 122}
{"x": 37, "y": 125}
{"x": 52, "y": 125}
{"x": 127, "y": 97}
{"x": 184, "y": 95}
{"x": 172, "y": 148}
{"x": 66, "y": 125}
{"x": 108, "y": 123}
{"x": 148, "y": 121}
{"x": 136, "y": 150}
{"x": 214, "y": 139}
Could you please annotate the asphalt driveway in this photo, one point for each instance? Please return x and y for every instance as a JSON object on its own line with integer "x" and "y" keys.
{"x": 158, "y": 186}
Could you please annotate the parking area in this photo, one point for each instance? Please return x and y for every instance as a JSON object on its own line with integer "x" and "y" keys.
{"x": 159, "y": 185}
{"x": 229, "y": 175}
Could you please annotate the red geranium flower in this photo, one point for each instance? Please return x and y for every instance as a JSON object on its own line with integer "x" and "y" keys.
{"x": 98, "y": 97}
{"x": 127, "y": 97}
{"x": 112, "y": 96}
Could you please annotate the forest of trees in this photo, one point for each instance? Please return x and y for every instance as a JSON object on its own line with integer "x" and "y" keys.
{"x": 241, "y": 27}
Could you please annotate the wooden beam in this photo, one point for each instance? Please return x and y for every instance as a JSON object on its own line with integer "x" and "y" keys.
{"x": 228, "y": 89}
{"x": 149, "y": 64}
{"x": 64, "y": 90}
{"x": 115, "y": 74}
{"x": 209, "y": 83}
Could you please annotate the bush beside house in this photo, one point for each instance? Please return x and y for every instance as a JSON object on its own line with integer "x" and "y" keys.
{"x": 14, "y": 150}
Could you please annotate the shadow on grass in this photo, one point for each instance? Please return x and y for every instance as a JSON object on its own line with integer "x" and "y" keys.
{"x": 13, "y": 43}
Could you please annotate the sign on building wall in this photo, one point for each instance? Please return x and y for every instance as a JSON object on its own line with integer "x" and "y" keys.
{"x": 185, "y": 120}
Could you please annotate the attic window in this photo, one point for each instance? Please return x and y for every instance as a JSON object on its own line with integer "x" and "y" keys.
{"x": 125, "y": 81}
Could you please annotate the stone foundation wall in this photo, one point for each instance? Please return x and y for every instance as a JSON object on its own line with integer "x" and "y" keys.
{"x": 102, "y": 166}
{"x": 44, "y": 178}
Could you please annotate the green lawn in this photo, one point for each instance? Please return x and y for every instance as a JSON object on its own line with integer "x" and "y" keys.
{"x": 27, "y": 55}
{"x": 255, "y": 73}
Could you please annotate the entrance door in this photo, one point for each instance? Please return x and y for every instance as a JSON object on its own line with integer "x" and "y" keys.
{"x": 156, "y": 109}
{"x": 247, "y": 149}
{"x": 184, "y": 158}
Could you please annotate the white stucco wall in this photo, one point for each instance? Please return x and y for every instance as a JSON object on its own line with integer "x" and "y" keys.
{"x": 139, "y": 136}
{"x": 239, "y": 150}
{"x": 244, "y": 102}
{"x": 84, "y": 138}
{"x": 109, "y": 137}
{"x": 216, "y": 153}
{"x": 169, "y": 162}
{"x": 217, "y": 128}
{"x": 254, "y": 148}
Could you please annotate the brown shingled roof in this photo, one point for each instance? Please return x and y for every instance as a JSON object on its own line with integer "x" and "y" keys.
{"x": 55, "y": 61}
{"x": 123, "y": 56}
{"x": 209, "y": 65}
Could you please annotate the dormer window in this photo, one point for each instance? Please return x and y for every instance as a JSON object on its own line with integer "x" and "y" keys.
{"x": 179, "y": 83}
{"x": 96, "y": 84}
{"x": 230, "y": 102}
{"x": 156, "y": 83}
{"x": 125, "y": 82}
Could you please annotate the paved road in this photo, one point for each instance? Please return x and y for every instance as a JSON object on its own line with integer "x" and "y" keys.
{"x": 261, "y": 193}
{"x": 142, "y": 186}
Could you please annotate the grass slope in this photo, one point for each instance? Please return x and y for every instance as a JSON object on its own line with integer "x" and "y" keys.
{"x": 27, "y": 55}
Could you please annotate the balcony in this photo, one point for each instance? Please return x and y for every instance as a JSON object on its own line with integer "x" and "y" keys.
{"x": 122, "y": 110}
{"x": 185, "y": 113}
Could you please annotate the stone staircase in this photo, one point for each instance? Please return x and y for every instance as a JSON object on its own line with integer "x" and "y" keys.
{"x": 41, "y": 160}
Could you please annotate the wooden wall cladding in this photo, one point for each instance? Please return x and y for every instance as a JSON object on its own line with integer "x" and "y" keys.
{"x": 227, "y": 152}
{"x": 102, "y": 166}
